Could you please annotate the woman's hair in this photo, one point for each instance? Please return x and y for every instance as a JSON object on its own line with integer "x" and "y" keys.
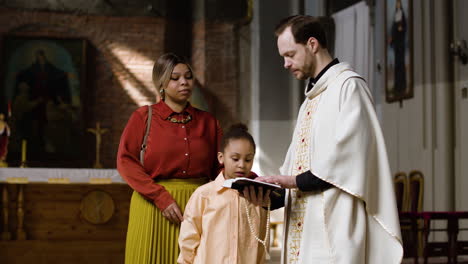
{"x": 163, "y": 68}
{"x": 237, "y": 131}
{"x": 302, "y": 28}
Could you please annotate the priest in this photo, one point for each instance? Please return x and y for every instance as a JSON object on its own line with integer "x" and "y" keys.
{"x": 340, "y": 206}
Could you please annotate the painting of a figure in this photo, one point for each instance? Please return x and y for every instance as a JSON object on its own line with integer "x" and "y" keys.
{"x": 41, "y": 86}
{"x": 398, "y": 51}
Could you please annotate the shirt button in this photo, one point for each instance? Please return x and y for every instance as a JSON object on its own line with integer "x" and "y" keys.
{"x": 185, "y": 138}
{"x": 186, "y": 154}
{"x": 183, "y": 172}
{"x": 183, "y": 126}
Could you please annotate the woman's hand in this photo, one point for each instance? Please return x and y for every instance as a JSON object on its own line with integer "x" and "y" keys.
{"x": 255, "y": 198}
{"x": 173, "y": 213}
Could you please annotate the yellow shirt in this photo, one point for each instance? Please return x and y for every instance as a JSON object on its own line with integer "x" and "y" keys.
{"x": 216, "y": 230}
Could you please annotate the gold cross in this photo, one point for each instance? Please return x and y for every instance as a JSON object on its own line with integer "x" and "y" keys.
{"x": 98, "y": 131}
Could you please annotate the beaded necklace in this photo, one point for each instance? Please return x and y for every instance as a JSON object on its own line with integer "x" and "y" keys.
{"x": 263, "y": 242}
{"x": 184, "y": 120}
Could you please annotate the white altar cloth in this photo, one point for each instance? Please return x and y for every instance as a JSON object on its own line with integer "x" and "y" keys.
{"x": 60, "y": 176}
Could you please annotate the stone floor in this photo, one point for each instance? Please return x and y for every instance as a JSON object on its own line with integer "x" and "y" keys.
{"x": 436, "y": 260}
{"x": 275, "y": 254}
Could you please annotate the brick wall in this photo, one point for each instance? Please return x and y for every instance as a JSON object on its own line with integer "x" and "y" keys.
{"x": 121, "y": 54}
{"x": 215, "y": 62}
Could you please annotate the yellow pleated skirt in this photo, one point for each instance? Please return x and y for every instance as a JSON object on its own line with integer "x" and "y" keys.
{"x": 151, "y": 238}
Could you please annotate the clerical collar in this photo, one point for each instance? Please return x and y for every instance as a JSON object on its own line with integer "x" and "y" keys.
{"x": 313, "y": 81}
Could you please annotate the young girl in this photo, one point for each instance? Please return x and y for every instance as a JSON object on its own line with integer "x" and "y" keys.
{"x": 220, "y": 226}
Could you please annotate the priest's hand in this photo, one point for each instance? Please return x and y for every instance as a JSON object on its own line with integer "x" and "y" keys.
{"x": 255, "y": 198}
{"x": 173, "y": 213}
{"x": 288, "y": 182}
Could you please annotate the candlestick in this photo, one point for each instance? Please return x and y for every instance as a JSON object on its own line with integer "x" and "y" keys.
{"x": 23, "y": 153}
{"x": 9, "y": 109}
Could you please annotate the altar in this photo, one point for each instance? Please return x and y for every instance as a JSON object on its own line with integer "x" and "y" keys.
{"x": 59, "y": 175}
{"x": 58, "y": 215}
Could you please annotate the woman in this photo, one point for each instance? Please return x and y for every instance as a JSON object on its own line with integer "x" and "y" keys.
{"x": 182, "y": 144}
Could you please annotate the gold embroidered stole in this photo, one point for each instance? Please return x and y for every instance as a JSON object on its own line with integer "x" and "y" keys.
{"x": 301, "y": 163}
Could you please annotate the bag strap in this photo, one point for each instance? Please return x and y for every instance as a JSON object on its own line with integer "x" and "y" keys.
{"x": 145, "y": 138}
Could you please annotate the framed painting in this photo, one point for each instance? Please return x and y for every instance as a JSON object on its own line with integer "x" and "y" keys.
{"x": 42, "y": 80}
{"x": 398, "y": 51}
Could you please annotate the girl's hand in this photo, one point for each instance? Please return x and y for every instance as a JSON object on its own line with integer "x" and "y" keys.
{"x": 259, "y": 198}
{"x": 173, "y": 213}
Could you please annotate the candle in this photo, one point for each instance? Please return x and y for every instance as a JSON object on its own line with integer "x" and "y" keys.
{"x": 9, "y": 109}
{"x": 23, "y": 150}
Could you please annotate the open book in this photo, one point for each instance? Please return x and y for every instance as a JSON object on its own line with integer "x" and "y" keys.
{"x": 240, "y": 183}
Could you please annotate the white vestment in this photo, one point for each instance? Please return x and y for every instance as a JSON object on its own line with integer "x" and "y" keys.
{"x": 338, "y": 138}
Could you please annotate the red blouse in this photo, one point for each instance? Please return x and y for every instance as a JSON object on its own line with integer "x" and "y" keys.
{"x": 174, "y": 150}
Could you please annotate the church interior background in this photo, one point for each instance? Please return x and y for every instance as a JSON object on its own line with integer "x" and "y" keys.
{"x": 62, "y": 201}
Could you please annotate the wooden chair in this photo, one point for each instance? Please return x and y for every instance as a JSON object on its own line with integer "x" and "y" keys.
{"x": 415, "y": 204}
{"x": 400, "y": 183}
{"x": 407, "y": 222}
{"x": 416, "y": 191}
{"x": 451, "y": 247}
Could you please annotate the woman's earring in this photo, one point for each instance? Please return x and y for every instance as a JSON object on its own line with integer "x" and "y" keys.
{"x": 161, "y": 93}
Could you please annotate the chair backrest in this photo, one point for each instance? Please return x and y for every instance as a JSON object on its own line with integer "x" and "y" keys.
{"x": 400, "y": 182}
{"x": 416, "y": 191}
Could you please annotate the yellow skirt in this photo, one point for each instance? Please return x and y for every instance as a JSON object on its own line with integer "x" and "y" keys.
{"x": 151, "y": 238}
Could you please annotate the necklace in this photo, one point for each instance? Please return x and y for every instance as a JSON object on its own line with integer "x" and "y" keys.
{"x": 264, "y": 241}
{"x": 184, "y": 120}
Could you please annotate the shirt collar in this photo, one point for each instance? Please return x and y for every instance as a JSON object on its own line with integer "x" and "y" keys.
{"x": 190, "y": 109}
{"x": 219, "y": 182}
{"x": 313, "y": 81}
{"x": 165, "y": 111}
